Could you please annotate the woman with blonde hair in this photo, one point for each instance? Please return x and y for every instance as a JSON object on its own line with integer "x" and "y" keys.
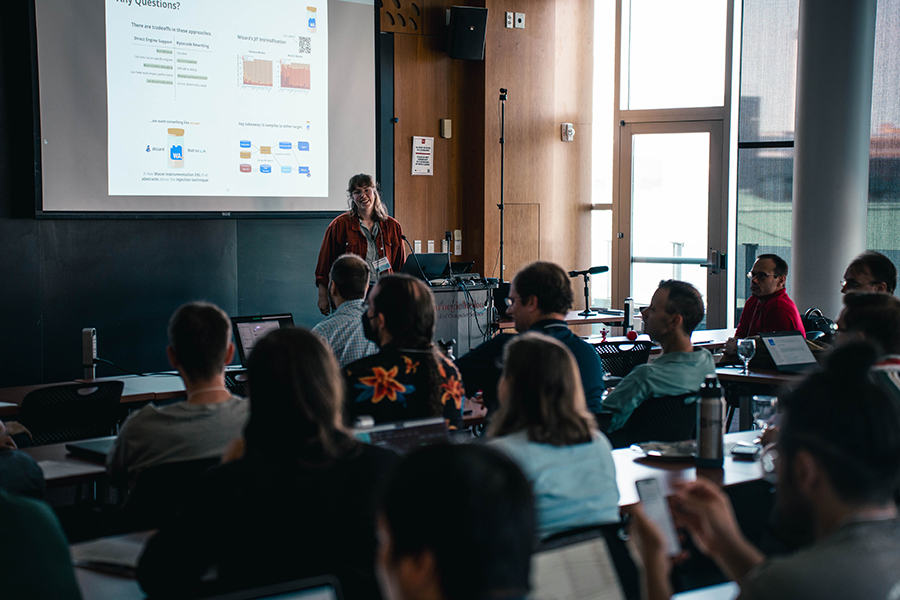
{"x": 544, "y": 425}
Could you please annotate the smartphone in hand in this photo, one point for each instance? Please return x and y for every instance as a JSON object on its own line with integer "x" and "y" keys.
{"x": 657, "y": 508}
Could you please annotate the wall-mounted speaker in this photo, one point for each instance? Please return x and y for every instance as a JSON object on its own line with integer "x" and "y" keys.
{"x": 468, "y": 25}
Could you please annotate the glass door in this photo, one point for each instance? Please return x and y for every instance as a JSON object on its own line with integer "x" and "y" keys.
{"x": 672, "y": 221}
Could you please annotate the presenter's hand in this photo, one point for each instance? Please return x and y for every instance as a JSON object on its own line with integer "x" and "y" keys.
{"x": 324, "y": 301}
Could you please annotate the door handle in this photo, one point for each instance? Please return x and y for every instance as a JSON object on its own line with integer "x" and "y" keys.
{"x": 717, "y": 262}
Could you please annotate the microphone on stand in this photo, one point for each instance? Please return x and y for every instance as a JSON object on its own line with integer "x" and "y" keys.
{"x": 587, "y": 278}
{"x": 591, "y": 271}
{"x": 416, "y": 258}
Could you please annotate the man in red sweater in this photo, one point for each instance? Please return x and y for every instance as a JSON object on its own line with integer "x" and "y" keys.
{"x": 768, "y": 308}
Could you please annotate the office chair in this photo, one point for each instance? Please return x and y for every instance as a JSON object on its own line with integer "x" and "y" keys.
{"x": 72, "y": 411}
{"x": 158, "y": 492}
{"x": 236, "y": 382}
{"x": 619, "y": 358}
{"x": 661, "y": 419}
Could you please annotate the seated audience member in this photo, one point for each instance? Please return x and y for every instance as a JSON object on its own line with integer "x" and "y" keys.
{"x": 768, "y": 308}
{"x": 539, "y": 298}
{"x": 301, "y": 500}
{"x": 34, "y": 556}
{"x": 455, "y": 523}
{"x": 838, "y": 467}
{"x": 544, "y": 425}
{"x": 19, "y": 473}
{"x": 875, "y": 317}
{"x": 870, "y": 272}
{"x": 200, "y": 427}
{"x": 343, "y": 329}
{"x": 408, "y": 378}
{"x": 675, "y": 310}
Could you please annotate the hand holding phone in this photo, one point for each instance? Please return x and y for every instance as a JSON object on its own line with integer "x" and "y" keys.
{"x": 657, "y": 509}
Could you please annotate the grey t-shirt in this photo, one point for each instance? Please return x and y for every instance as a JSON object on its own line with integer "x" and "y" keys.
{"x": 859, "y": 561}
{"x": 177, "y": 432}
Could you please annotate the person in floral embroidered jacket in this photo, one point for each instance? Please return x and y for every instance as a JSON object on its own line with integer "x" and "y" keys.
{"x": 408, "y": 378}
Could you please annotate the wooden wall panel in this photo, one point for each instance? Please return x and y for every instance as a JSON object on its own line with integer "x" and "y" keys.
{"x": 421, "y": 75}
{"x": 547, "y": 68}
{"x": 522, "y": 244}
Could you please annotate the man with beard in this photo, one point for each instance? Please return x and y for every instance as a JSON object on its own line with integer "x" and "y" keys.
{"x": 837, "y": 468}
{"x": 408, "y": 378}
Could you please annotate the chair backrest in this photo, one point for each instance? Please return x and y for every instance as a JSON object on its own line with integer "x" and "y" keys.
{"x": 619, "y": 358}
{"x": 661, "y": 419}
{"x": 72, "y": 411}
{"x": 236, "y": 382}
{"x": 159, "y": 491}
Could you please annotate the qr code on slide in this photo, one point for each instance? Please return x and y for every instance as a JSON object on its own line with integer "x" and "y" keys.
{"x": 305, "y": 45}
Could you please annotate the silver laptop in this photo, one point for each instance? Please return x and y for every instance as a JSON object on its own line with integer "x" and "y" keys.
{"x": 789, "y": 351}
{"x": 315, "y": 588}
{"x": 249, "y": 330}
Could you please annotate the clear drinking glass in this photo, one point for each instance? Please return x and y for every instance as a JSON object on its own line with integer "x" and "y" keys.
{"x": 763, "y": 409}
{"x": 746, "y": 349}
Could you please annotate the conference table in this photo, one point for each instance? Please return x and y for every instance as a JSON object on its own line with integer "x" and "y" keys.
{"x": 574, "y": 319}
{"x": 148, "y": 388}
{"x": 739, "y": 388}
{"x": 103, "y": 583}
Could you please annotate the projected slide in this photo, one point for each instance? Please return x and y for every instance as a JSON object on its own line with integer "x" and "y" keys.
{"x": 217, "y": 98}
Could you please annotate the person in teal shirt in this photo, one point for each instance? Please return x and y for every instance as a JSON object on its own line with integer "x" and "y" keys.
{"x": 544, "y": 425}
{"x": 675, "y": 310}
{"x": 34, "y": 558}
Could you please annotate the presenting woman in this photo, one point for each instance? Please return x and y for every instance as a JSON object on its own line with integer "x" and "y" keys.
{"x": 365, "y": 230}
{"x": 544, "y": 425}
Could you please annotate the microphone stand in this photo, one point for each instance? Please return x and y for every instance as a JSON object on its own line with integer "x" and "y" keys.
{"x": 587, "y": 303}
{"x": 416, "y": 258}
{"x": 502, "y": 167}
{"x": 449, "y": 237}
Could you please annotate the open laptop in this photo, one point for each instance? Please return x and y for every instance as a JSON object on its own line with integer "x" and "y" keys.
{"x": 593, "y": 563}
{"x": 94, "y": 450}
{"x": 789, "y": 351}
{"x": 432, "y": 265}
{"x": 405, "y": 436}
{"x": 249, "y": 330}
{"x": 315, "y": 588}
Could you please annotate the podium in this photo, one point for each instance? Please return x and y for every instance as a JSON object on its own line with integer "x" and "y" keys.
{"x": 464, "y": 313}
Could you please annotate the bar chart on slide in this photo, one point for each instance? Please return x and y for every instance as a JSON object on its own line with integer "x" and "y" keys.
{"x": 295, "y": 75}
{"x": 256, "y": 71}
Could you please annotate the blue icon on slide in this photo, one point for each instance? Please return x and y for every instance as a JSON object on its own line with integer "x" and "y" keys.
{"x": 284, "y": 145}
{"x": 175, "y": 153}
{"x": 245, "y": 143}
{"x": 303, "y": 171}
{"x": 265, "y": 168}
{"x": 286, "y": 169}
{"x": 303, "y": 146}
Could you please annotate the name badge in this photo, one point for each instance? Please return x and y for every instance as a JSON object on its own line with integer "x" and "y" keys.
{"x": 382, "y": 265}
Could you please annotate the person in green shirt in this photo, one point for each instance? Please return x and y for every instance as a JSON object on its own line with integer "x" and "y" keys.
{"x": 34, "y": 558}
{"x": 675, "y": 310}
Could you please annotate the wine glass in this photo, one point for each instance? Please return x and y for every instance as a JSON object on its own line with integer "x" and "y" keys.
{"x": 746, "y": 349}
{"x": 763, "y": 409}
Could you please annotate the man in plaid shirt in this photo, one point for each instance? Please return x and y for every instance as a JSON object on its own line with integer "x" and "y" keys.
{"x": 343, "y": 329}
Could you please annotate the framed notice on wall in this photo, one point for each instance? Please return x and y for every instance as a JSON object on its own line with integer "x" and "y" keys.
{"x": 423, "y": 156}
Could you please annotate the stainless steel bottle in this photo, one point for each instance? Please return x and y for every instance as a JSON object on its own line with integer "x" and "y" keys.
{"x": 711, "y": 424}
{"x": 629, "y": 315}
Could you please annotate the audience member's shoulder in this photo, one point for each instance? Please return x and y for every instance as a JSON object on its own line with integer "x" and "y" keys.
{"x": 20, "y": 474}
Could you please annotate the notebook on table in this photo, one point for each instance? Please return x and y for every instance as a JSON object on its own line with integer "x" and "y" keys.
{"x": 94, "y": 450}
